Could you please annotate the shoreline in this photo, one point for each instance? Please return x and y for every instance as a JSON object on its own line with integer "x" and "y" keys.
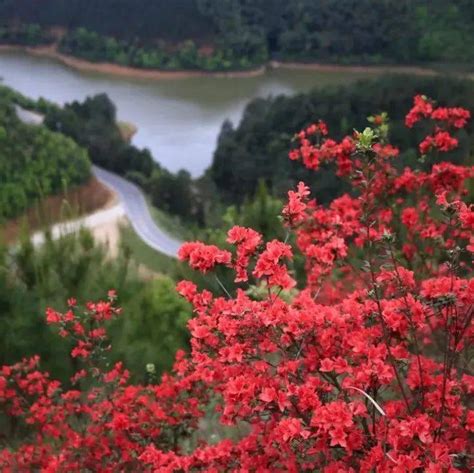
{"x": 388, "y": 69}
{"x": 124, "y": 71}
{"x": 136, "y": 73}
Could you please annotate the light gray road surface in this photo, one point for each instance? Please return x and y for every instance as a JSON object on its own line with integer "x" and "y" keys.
{"x": 138, "y": 213}
{"x": 132, "y": 200}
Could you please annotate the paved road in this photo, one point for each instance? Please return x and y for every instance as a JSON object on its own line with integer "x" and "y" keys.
{"x": 132, "y": 203}
{"x": 138, "y": 213}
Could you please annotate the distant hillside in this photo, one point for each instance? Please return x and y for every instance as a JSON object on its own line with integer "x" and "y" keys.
{"x": 257, "y": 148}
{"x": 175, "y": 20}
{"x": 238, "y": 34}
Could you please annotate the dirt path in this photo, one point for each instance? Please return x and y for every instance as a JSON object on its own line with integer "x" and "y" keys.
{"x": 103, "y": 224}
{"x": 75, "y": 203}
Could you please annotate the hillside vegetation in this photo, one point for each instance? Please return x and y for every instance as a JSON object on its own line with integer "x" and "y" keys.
{"x": 238, "y": 34}
{"x": 257, "y": 148}
{"x": 364, "y": 365}
{"x": 34, "y": 161}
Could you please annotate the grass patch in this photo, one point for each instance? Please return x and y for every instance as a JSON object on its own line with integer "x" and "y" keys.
{"x": 172, "y": 225}
{"x": 142, "y": 254}
{"x": 158, "y": 263}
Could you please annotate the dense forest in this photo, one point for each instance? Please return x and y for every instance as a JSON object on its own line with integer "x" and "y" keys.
{"x": 238, "y": 34}
{"x": 257, "y": 149}
{"x": 24, "y": 35}
{"x": 176, "y": 20}
{"x": 34, "y": 161}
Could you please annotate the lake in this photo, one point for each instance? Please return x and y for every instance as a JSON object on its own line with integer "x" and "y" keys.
{"x": 179, "y": 119}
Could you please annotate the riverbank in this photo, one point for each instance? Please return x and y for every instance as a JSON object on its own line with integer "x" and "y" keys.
{"x": 125, "y": 71}
{"x": 136, "y": 73}
{"x": 319, "y": 67}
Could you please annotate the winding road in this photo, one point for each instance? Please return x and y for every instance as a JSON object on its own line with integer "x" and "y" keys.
{"x": 132, "y": 204}
{"x": 138, "y": 213}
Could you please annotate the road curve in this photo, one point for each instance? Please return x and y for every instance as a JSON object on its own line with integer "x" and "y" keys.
{"x": 132, "y": 200}
{"x": 138, "y": 213}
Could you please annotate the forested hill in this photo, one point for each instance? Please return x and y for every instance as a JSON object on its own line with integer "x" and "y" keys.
{"x": 126, "y": 19}
{"x": 225, "y": 34}
{"x": 257, "y": 148}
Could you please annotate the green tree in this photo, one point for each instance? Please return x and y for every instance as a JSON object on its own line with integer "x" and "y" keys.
{"x": 154, "y": 327}
{"x": 261, "y": 212}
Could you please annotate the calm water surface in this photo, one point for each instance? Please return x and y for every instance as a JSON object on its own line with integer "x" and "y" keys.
{"x": 178, "y": 120}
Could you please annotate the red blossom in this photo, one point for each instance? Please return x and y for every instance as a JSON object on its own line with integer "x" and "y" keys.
{"x": 362, "y": 369}
{"x": 203, "y": 257}
{"x": 52, "y": 317}
{"x": 422, "y": 108}
{"x": 294, "y": 211}
{"x": 268, "y": 265}
{"x": 247, "y": 241}
{"x": 456, "y": 116}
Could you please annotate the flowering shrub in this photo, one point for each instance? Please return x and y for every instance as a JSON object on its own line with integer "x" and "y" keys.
{"x": 366, "y": 368}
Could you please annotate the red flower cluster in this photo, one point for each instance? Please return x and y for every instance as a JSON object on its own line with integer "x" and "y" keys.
{"x": 294, "y": 211}
{"x": 247, "y": 241}
{"x": 268, "y": 265}
{"x": 365, "y": 368}
{"x": 422, "y": 108}
{"x": 203, "y": 257}
{"x": 441, "y": 140}
{"x": 456, "y": 116}
{"x": 313, "y": 150}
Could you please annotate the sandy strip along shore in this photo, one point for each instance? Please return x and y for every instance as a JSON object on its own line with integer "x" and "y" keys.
{"x": 154, "y": 74}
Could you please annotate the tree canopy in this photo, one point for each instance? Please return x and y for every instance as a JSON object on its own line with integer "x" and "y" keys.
{"x": 257, "y": 148}
{"x": 238, "y": 34}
